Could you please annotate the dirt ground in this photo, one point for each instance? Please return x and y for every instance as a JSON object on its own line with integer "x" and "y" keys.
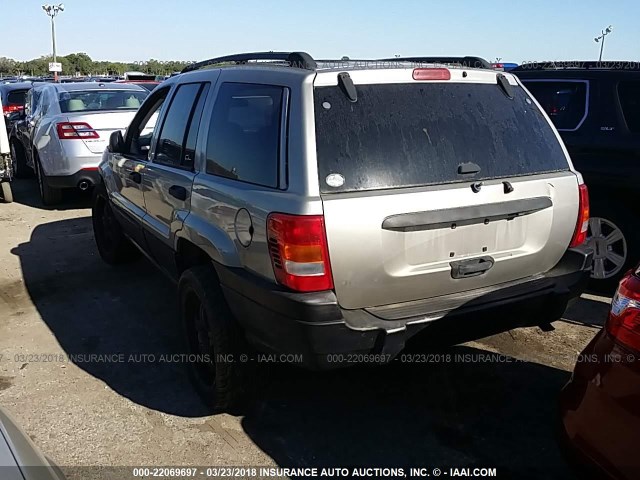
{"x": 58, "y": 300}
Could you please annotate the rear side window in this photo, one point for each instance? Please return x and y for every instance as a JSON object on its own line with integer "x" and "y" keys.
{"x": 35, "y": 99}
{"x": 176, "y": 135}
{"x": 629, "y": 93}
{"x": 405, "y": 135}
{"x": 244, "y": 134}
{"x": 564, "y": 102}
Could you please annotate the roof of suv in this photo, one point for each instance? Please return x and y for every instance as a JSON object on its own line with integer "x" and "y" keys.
{"x": 304, "y": 61}
{"x": 390, "y": 70}
{"x": 8, "y": 87}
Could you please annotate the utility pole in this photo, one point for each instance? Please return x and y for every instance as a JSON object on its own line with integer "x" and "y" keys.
{"x": 53, "y": 11}
{"x": 600, "y": 39}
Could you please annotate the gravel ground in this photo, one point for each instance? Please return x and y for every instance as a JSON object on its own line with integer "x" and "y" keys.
{"x": 57, "y": 299}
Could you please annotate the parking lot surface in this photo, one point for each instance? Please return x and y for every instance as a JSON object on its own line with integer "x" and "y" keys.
{"x": 64, "y": 314}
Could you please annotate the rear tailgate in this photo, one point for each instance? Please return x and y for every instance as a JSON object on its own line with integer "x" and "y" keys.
{"x": 104, "y": 123}
{"x": 402, "y": 220}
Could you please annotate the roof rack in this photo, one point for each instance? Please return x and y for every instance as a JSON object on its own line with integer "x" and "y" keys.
{"x": 470, "y": 62}
{"x": 292, "y": 59}
{"x": 305, "y": 61}
{"x": 580, "y": 65}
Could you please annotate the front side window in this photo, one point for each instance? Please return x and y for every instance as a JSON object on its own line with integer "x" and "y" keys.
{"x": 629, "y": 94}
{"x": 36, "y": 100}
{"x": 144, "y": 124}
{"x": 244, "y": 134}
{"x": 43, "y": 102}
{"x": 565, "y": 102}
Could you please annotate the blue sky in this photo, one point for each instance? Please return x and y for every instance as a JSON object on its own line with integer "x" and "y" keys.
{"x": 131, "y": 30}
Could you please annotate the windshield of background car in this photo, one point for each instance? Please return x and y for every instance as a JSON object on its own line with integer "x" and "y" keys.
{"x": 564, "y": 102}
{"x": 97, "y": 100}
{"x": 405, "y": 135}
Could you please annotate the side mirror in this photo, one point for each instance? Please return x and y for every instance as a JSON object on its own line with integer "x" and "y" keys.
{"x": 116, "y": 142}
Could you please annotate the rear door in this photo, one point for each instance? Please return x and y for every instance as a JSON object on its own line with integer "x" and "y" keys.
{"x": 169, "y": 176}
{"x": 436, "y": 188}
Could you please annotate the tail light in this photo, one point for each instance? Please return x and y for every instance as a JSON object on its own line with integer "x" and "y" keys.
{"x": 431, "y": 74}
{"x": 8, "y": 109}
{"x": 580, "y": 234}
{"x": 75, "y": 130}
{"x": 623, "y": 323}
{"x": 299, "y": 253}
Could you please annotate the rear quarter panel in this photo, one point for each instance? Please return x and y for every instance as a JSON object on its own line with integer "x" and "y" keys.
{"x": 216, "y": 201}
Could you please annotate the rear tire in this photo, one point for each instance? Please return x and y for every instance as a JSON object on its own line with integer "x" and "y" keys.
{"x": 113, "y": 246}
{"x": 212, "y": 333}
{"x": 48, "y": 194}
{"x": 615, "y": 241}
{"x": 21, "y": 170}
{"x": 7, "y": 193}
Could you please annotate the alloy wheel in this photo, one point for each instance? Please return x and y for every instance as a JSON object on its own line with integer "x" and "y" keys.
{"x": 609, "y": 246}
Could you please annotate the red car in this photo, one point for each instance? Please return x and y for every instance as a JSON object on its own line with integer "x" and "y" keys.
{"x": 600, "y": 406}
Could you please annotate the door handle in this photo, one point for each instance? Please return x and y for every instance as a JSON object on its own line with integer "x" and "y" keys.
{"x": 472, "y": 267}
{"x": 135, "y": 177}
{"x": 176, "y": 191}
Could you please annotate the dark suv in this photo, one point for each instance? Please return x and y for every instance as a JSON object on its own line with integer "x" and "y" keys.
{"x": 596, "y": 108}
{"x": 12, "y": 96}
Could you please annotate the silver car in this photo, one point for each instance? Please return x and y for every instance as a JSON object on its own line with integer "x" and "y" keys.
{"x": 20, "y": 459}
{"x": 326, "y": 212}
{"x": 67, "y": 127}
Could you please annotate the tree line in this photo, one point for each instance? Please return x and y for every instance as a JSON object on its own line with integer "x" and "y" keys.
{"x": 82, "y": 64}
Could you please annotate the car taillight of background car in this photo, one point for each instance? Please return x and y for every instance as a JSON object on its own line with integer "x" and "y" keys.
{"x": 623, "y": 323}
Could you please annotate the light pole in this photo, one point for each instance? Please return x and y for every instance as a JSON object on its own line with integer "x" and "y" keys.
{"x": 601, "y": 37}
{"x": 53, "y": 11}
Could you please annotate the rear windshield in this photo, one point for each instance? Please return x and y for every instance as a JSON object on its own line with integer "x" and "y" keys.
{"x": 96, "y": 100}
{"x": 405, "y": 135}
{"x": 16, "y": 97}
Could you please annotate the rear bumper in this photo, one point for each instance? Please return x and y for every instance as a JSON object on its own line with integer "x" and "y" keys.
{"x": 91, "y": 175}
{"x": 71, "y": 157}
{"x": 313, "y": 327}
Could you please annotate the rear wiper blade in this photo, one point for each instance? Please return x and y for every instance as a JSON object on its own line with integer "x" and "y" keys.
{"x": 505, "y": 86}
{"x": 347, "y": 86}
